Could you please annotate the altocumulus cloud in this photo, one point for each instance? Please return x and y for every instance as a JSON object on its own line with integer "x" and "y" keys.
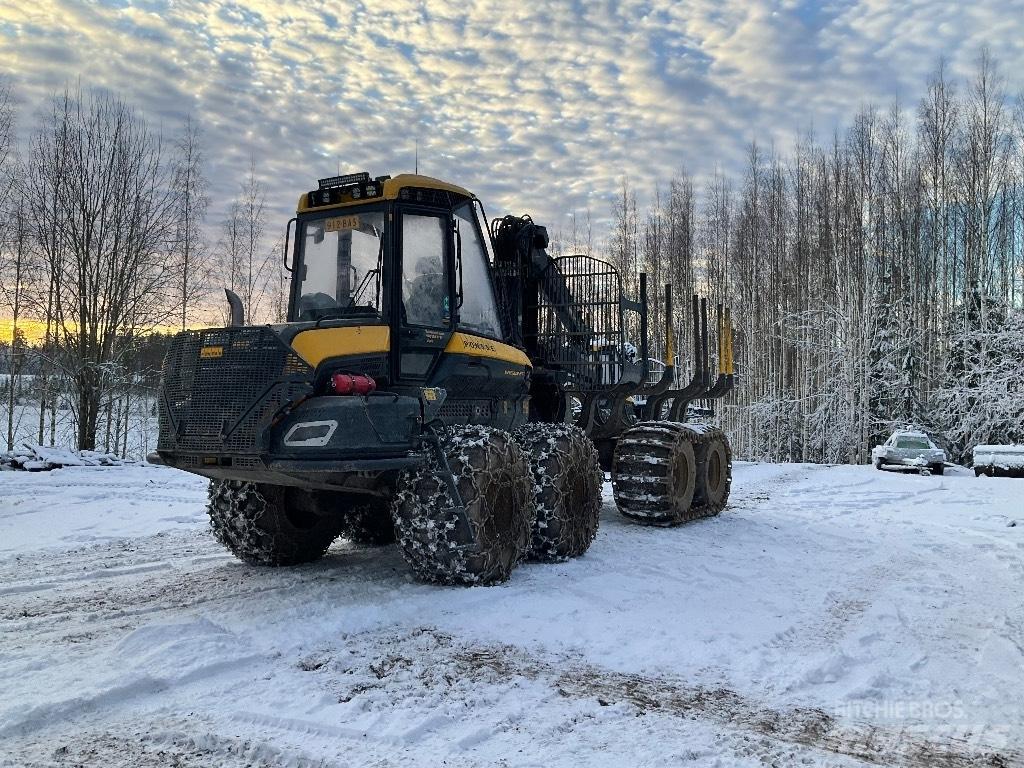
{"x": 538, "y": 106}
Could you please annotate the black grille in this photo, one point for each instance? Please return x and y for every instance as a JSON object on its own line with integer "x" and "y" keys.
{"x": 465, "y": 412}
{"x": 223, "y": 387}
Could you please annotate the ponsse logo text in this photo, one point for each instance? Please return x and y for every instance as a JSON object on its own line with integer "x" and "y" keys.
{"x": 480, "y": 346}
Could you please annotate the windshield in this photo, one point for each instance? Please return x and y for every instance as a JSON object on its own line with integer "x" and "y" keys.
{"x": 341, "y": 266}
{"x": 478, "y": 311}
{"x": 915, "y": 443}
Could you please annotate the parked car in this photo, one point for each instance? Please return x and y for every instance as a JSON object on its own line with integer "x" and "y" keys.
{"x": 910, "y": 448}
{"x": 995, "y": 460}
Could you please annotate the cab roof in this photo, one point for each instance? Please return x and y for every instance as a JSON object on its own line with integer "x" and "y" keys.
{"x": 390, "y": 189}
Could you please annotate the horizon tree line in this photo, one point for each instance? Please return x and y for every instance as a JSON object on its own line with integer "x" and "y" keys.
{"x": 102, "y": 243}
{"x": 876, "y": 279}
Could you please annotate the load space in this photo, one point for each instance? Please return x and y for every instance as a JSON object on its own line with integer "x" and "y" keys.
{"x": 445, "y": 384}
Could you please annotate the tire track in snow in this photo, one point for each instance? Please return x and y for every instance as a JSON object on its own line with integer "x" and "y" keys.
{"x": 377, "y": 672}
{"x": 87, "y": 600}
{"x": 153, "y": 745}
{"x": 804, "y": 726}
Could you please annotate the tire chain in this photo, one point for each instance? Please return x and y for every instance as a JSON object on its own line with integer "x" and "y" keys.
{"x": 446, "y": 545}
{"x": 237, "y": 508}
{"x": 559, "y": 455}
{"x": 369, "y": 523}
{"x": 665, "y": 434}
{"x": 704, "y": 436}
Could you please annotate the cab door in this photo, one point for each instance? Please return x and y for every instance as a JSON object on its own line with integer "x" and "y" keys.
{"x": 425, "y": 317}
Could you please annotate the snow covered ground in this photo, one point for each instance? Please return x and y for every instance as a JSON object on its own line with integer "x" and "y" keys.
{"x": 831, "y": 616}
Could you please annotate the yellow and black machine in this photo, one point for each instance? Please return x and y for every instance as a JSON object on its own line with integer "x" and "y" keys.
{"x": 443, "y": 382}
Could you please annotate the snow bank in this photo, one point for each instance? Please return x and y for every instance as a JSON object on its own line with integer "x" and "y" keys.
{"x": 35, "y": 458}
{"x": 1004, "y": 457}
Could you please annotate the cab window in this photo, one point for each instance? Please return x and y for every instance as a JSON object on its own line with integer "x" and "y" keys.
{"x": 341, "y": 266}
{"x": 425, "y": 299}
{"x": 478, "y": 311}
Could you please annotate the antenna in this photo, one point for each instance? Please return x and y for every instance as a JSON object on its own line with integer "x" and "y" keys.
{"x": 417, "y": 156}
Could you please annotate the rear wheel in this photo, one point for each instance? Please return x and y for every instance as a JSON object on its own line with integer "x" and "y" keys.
{"x": 938, "y": 469}
{"x": 654, "y": 473}
{"x": 567, "y": 482}
{"x": 270, "y": 524}
{"x": 714, "y": 471}
{"x": 481, "y": 542}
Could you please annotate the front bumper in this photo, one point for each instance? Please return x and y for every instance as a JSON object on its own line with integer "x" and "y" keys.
{"x": 321, "y": 443}
{"x": 917, "y": 460}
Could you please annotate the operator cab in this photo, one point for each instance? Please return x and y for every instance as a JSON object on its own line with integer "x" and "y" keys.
{"x": 409, "y": 253}
{"x": 353, "y": 234}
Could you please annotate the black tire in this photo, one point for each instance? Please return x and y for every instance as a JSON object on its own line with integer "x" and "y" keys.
{"x": 878, "y": 463}
{"x": 368, "y": 522}
{"x": 654, "y": 473}
{"x": 938, "y": 469}
{"x": 714, "y": 470}
{"x": 270, "y": 524}
{"x": 979, "y": 471}
{"x": 482, "y": 542}
{"x": 567, "y": 482}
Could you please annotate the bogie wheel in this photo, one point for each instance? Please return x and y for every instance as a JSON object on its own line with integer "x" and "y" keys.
{"x": 367, "y": 522}
{"x": 654, "y": 472}
{"x": 270, "y": 524}
{"x": 714, "y": 470}
{"x": 481, "y": 542}
{"x": 567, "y": 482}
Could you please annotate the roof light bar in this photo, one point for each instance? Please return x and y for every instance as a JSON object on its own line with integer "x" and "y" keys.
{"x": 341, "y": 181}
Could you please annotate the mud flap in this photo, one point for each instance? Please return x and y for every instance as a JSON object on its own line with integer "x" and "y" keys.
{"x": 458, "y": 505}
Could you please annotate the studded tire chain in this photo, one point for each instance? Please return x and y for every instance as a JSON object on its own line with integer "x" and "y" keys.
{"x": 646, "y": 484}
{"x": 482, "y": 542}
{"x": 270, "y": 524}
{"x": 369, "y": 523}
{"x": 567, "y": 482}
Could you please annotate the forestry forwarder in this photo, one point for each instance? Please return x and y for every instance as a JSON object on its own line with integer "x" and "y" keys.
{"x": 440, "y": 382}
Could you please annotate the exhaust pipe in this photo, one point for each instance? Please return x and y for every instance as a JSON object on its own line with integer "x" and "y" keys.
{"x": 237, "y": 311}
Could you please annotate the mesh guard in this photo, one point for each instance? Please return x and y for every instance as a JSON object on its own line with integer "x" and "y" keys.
{"x": 580, "y": 323}
{"x": 223, "y": 388}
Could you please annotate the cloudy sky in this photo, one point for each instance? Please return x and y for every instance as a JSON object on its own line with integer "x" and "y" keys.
{"x": 539, "y": 106}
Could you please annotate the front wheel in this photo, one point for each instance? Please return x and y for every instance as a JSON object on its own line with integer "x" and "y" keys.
{"x": 938, "y": 469}
{"x": 368, "y": 522}
{"x": 567, "y": 482}
{"x": 272, "y": 525}
{"x": 482, "y": 541}
{"x": 878, "y": 463}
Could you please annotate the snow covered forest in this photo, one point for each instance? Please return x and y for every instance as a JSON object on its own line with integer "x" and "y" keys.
{"x": 874, "y": 274}
{"x": 105, "y": 249}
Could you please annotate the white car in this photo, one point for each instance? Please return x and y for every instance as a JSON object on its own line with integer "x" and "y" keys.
{"x": 910, "y": 448}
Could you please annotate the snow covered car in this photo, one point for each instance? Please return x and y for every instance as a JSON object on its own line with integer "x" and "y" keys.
{"x": 910, "y": 449}
{"x": 995, "y": 460}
